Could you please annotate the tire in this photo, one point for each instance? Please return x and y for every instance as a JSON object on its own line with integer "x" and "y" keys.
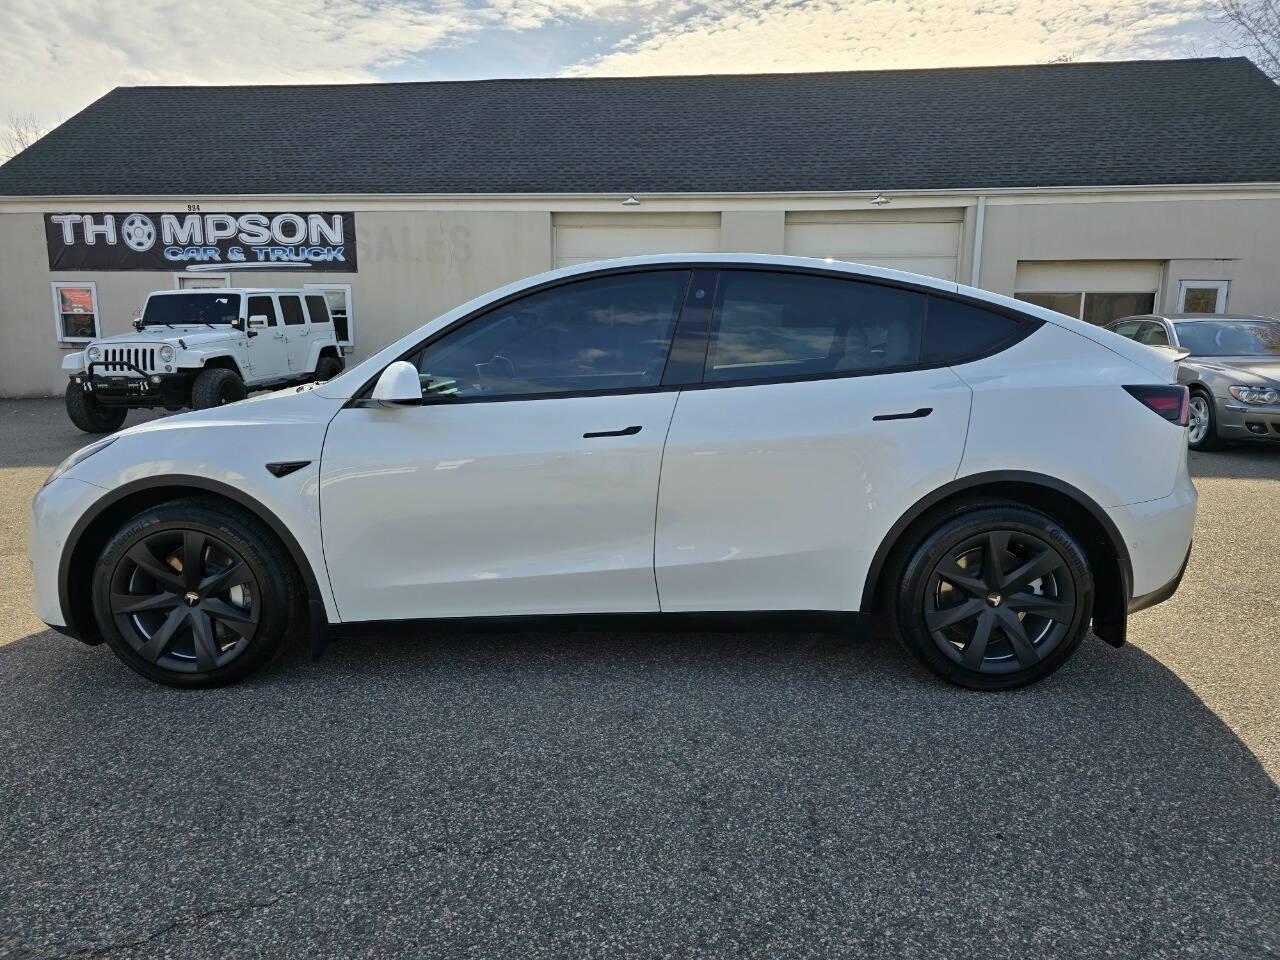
{"x": 947, "y": 596}
{"x": 207, "y": 629}
{"x": 89, "y": 415}
{"x": 327, "y": 368}
{"x": 215, "y": 387}
{"x": 1202, "y": 405}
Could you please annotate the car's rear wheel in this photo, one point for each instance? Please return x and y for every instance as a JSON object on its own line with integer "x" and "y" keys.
{"x": 994, "y": 598}
{"x": 1202, "y": 429}
{"x": 194, "y": 594}
{"x": 215, "y": 387}
{"x": 91, "y": 416}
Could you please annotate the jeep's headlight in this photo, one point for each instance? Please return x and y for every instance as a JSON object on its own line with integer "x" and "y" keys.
{"x": 93, "y": 354}
{"x": 80, "y": 455}
{"x": 1255, "y": 394}
{"x": 166, "y": 354}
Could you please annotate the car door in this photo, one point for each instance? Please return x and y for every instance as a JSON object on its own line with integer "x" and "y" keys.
{"x": 819, "y": 421}
{"x": 296, "y": 332}
{"x": 267, "y": 352}
{"x": 527, "y": 481}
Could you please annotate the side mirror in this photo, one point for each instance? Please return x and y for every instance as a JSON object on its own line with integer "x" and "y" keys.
{"x": 399, "y": 384}
{"x": 137, "y": 324}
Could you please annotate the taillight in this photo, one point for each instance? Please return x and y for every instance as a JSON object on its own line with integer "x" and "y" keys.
{"x": 1172, "y": 403}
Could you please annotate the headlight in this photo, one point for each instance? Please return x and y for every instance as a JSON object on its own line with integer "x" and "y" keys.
{"x": 82, "y": 454}
{"x": 1255, "y": 394}
{"x": 166, "y": 354}
{"x": 94, "y": 354}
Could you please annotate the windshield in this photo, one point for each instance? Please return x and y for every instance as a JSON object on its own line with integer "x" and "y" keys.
{"x": 175, "y": 308}
{"x": 1229, "y": 338}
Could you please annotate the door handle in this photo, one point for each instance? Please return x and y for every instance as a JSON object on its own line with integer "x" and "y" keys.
{"x": 624, "y": 432}
{"x": 913, "y": 415}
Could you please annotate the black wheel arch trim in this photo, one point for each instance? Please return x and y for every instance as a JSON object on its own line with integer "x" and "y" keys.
{"x": 315, "y": 598}
{"x": 976, "y": 480}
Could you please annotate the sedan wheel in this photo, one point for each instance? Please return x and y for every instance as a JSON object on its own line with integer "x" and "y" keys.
{"x": 995, "y": 597}
{"x": 185, "y": 601}
{"x": 194, "y": 593}
{"x": 1201, "y": 434}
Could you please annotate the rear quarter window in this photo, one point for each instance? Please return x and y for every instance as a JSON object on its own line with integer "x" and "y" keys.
{"x": 956, "y": 331}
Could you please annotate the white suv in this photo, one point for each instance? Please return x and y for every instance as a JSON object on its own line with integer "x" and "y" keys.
{"x": 678, "y": 434}
{"x": 202, "y": 348}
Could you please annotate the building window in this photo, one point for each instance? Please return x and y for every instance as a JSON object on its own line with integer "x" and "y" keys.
{"x": 201, "y": 281}
{"x": 338, "y": 298}
{"x": 1202, "y": 296}
{"x": 1097, "y": 308}
{"x": 75, "y": 311}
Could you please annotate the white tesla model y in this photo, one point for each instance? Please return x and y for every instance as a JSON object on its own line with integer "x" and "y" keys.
{"x": 653, "y": 435}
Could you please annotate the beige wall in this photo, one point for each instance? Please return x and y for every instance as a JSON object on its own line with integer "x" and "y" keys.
{"x": 412, "y": 266}
{"x": 418, "y": 258}
{"x": 1236, "y": 240}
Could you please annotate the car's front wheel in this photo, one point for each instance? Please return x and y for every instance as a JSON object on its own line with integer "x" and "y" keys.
{"x": 194, "y": 593}
{"x": 1202, "y": 429}
{"x": 215, "y": 387}
{"x": 89, "y": 415}
{"x": 994, "y": 597}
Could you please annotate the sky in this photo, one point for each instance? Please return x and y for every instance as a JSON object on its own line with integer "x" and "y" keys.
{"x": 57, "y": 56}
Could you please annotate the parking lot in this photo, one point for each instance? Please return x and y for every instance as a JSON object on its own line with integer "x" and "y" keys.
{"x": 579, "y": 793}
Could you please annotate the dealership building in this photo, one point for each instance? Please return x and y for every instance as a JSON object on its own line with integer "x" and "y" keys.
{"x": 1096, "y": 189}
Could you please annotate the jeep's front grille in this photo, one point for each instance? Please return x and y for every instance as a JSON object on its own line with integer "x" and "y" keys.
{"x": 115, "y": 359}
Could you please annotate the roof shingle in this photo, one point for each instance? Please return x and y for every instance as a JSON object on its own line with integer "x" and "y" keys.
{"x": 1202, "y": 121}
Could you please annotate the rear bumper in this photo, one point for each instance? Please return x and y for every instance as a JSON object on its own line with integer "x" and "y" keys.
{"x": 1158, "y": 536}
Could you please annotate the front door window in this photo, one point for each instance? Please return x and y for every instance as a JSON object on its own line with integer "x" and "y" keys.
{"x": 601, "y": 334}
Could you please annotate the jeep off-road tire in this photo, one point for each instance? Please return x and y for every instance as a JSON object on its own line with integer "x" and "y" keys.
{"x": 215, "y": 387}
{"x": 327, "y": 368}
{"x": 89, "y": 415}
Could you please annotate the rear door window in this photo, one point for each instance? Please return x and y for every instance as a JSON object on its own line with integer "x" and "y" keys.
{"x": 291, "y": 307}
{"x": 779, "y": 325}
{"x": 959, "y": 331}
{"x": 317, "y": 308}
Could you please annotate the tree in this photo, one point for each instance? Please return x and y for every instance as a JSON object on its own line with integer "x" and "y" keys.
{"x": 20, "y": 132}
{"x": 1254, "y": 26}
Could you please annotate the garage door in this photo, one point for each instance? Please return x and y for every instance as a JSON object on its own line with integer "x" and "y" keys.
{"x": 922, "y": 241}
{"x": 1095, "y": 290}
{"x": 581, "y": 237}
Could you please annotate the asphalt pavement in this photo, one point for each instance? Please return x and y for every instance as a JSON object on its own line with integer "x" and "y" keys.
{"x": 575, "y": 793}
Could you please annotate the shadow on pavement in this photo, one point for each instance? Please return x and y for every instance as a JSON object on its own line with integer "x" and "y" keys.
{"x": 1260, "y": 461}
{"x": 626, "y": 795}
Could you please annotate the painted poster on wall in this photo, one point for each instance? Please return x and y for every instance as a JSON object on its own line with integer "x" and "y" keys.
{"x": 195, "y": 242}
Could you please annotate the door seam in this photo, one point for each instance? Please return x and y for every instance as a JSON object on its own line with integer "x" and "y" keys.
{"x": 657, "y": 499}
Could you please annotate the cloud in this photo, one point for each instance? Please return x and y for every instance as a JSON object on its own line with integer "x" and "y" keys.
{"x": 772, "y": 35}
{"x": 56, "y": 56}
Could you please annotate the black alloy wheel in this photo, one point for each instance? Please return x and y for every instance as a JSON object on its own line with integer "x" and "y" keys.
{"x": 195, "y": 593}
{"x": 185, "y": 601}
{"x": 1000, "y": 601}
{"x": 994, "y": 596}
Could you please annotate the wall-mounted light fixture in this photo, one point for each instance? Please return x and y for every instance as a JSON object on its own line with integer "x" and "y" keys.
{"x": 631, "y": 201}
{"x": 879, "y": 200}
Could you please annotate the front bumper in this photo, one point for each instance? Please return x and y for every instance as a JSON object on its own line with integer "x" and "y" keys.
{"x": 1242, "y": 421}
{"x": 136, "y": 388}
{"x": 54, "y": 513}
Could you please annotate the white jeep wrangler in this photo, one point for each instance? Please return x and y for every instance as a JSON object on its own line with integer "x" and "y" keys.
{"x": 202, "y": 348}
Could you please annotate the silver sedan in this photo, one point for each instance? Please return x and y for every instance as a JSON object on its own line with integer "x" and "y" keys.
{"x": 1232, "y": 370}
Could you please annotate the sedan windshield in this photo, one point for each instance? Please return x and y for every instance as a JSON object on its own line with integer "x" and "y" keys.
{"x": 175, "y": 308}
{"x": 1229, "y": 338}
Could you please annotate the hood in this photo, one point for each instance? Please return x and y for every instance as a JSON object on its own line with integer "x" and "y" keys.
{"x": 1250, "y": 366}
{"x": 193, "y": 335}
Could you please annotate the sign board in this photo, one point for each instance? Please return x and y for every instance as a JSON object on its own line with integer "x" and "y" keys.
{"x": 202, "y": 241}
